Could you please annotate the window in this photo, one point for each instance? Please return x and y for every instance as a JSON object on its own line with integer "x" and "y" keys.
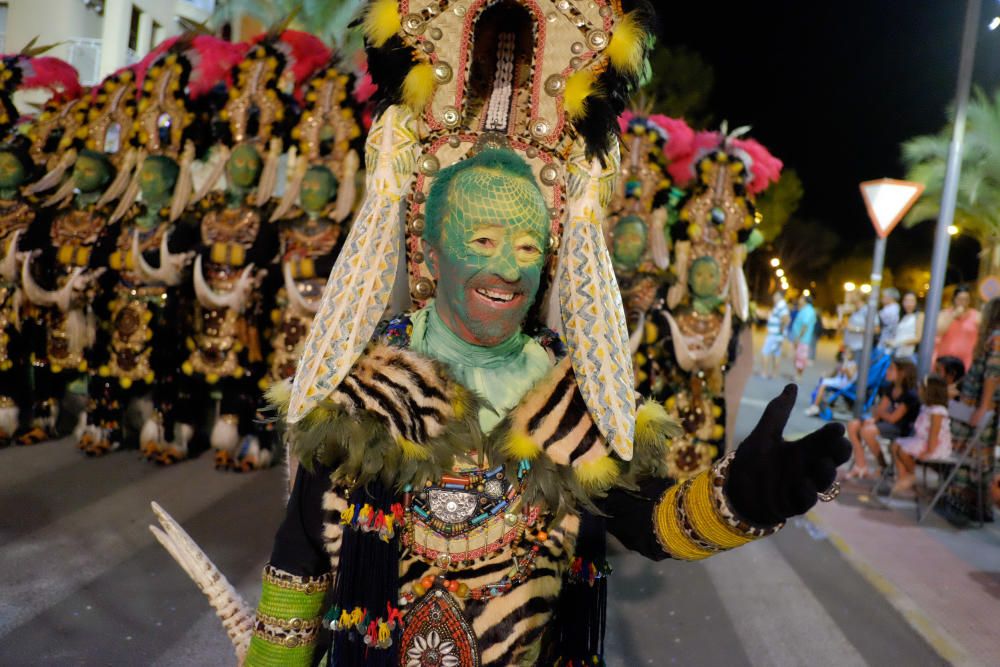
{"x": 133, "y": 29}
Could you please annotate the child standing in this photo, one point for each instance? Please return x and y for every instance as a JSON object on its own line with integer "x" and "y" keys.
{"x": 843, "y": 376}
{"x": 931, "y": 437}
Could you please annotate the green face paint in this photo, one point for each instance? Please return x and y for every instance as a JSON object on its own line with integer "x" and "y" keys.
{"x": 704, "y": 278}
{"x": 157, "y": 180}
{"x": 488, "y": 261}
{"x": 90, "y": 174}
{"x": 244, "y": 167}
{"x": 11, "y": 171}
{"x": 318, "y": 188}
{"x": 629, "y": 243}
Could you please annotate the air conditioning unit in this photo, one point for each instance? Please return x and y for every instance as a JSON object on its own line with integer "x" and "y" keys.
{"x": 85, "y": 56}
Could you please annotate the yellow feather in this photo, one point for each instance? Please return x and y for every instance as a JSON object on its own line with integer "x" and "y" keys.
{"x": 418, "y": 87}
{"x": 579, "y": 87}
{"x": 626, "y": 46}
{"x": 412, "y": 450}
{"x": 598, "y": 474}
{"x": 520, "y": 446}
{"x": 653, "y": 426}
{"x": 279, "y": 394}
{"x": 381, "y": 22}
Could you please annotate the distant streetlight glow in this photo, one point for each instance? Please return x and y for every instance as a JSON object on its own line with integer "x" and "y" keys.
{"x": 775, "y": 262}
{"x": 995, "y": 23}
{"x": 780, "y": 273}
{"x": 953, "y": 230}
{"x": 866, "y": 289}
{"x": 807, "y": 292}
{"x": 849, "y": 286}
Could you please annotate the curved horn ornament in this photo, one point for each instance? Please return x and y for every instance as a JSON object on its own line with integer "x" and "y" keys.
{"x": 233, "y": 611}
{"x": 40, "y": 296}
{"x": 234, "y": 299}
{"x": 171, "y": 269}
{"x": 294, "y": 295}
{"x": 8, "y": 267}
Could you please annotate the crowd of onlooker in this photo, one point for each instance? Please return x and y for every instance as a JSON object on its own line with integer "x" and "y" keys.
{"x": 912, "y": 420}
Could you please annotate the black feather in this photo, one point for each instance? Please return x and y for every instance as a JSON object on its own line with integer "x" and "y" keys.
{"x": 388, "y": 67}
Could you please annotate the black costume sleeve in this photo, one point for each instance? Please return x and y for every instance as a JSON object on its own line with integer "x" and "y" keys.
{"x": 298, "y": 544}
{"x": 630, "y": 517}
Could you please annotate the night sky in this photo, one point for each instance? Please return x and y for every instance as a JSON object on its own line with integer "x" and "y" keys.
{"x": 834, "y": 88}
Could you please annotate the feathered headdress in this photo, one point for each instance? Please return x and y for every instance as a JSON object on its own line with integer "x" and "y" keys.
{"x": 545, "y": 78}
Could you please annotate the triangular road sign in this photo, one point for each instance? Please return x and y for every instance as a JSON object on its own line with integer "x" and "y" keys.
{"x": 888, "y": 200}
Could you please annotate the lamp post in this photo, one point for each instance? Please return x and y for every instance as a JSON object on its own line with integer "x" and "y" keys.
{"x": 949, "y": 196}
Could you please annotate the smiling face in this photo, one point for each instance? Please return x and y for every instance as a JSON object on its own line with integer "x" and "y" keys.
{"x": 318, "y": 187}
{"x": 489, "y": 253}
{"x": 11, "y": 171}
{"x": 243, "y": 168}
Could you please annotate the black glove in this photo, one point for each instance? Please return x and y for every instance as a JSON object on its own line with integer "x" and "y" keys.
{"x": 771, "y": 479}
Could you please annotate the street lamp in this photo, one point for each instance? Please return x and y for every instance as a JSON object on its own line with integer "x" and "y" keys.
{"x": 953, "y": 230}
{"x": 780, "y": 273}
{"x": 849, "y": 286}
{"x": 775, "y": 262}
{"x": 866, "y": 289}
{"x": 807, "y": 292}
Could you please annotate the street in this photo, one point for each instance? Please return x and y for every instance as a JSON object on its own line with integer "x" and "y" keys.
{"x": 85, "y": 583}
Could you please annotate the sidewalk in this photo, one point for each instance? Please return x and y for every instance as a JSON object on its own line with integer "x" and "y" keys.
{"x": 944, "y": 581}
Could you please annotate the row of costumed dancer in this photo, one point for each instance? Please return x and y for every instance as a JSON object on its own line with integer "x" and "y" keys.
{"x": 167, "y": 235}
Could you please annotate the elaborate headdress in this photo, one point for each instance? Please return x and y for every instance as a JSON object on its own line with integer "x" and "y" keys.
{"x": 26, "y": 71}
{"x": 544, "y": 78}
{"x": 327, "y": 135}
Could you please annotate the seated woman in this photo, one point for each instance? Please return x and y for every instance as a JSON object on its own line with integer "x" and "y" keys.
{"x": 845, "y": 373}
{"x": 892, "y": 417}
{"x": 931, "y": 437}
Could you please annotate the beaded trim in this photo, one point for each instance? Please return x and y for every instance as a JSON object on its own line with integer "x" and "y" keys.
{"x": 366, "y": 519}
{"x": 289, "y": 633}
{"x": 291, "y": 582}
{"x": 725, "y": 511}
{"x": 375, "y": 631}
{"x": 588, "y": 572}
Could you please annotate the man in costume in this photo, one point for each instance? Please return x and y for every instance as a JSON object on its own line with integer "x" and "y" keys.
{"x": 460, "y": 474}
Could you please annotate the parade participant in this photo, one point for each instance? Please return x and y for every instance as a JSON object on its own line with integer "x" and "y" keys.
{"x": 228, "y": 345}
{"x": 459, "y": 475}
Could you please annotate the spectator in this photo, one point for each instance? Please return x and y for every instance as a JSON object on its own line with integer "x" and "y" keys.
{"x": 911, "y": 323}
{"x": 817, "y": 334}
{"x": 888, "y": 317}
{"x": 854, "y": 331}
{"x": 803, "y": 332}
{"x": 777, "y": 322}
{"x": 958, "y": 327}
{"x": 952, "y": 370}
{"x": 980, "y": 388}
{"x": 931, "y": 437}
{"x": 892, "y": 417}
{"x": 843, "y": 375}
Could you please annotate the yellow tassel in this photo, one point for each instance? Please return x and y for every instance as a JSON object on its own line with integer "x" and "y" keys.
{"x": 383, "y": 632}
{"x": 579, "y": 87}
{"x": 598, "y": 474}
{"x": 626, "y": 46}
{"x": 412, "y": 450}
{"x": 418, "y": 86}
{"x": 381, "y": 22}
{"x": 347, "y": 515}
{"x": 520, "y": 446}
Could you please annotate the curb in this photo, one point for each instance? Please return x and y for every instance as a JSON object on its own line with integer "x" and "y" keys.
{"x": 943, "y": 644}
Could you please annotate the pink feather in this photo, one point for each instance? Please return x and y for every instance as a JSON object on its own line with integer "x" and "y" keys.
{"x": 682, "y": 168}
{"x": 53, "y": 74}
{"x": 766, "y": 168}
{"x": 214, "y": 63}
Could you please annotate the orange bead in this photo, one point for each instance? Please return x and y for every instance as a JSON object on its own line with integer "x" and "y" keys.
{"x": 542, "y": 536}
{"x": 427, "y": 582}
{"x": 452, "y": 586}
{"x": 462, "y": 590}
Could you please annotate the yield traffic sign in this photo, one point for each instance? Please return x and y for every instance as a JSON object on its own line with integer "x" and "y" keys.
{"x": 888, "y": 200}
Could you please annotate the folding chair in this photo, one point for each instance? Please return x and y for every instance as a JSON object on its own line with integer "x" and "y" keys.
{"x": 966, "y": 459}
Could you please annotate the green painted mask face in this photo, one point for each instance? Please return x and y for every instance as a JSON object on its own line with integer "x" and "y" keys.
{"x": 629, "y": 242}
{"x": 704, "y": 278}
{"x": 90, "y": 174}
{"x": 488, "y": 262}
{"x": 11, "y": 171}
{"x": 157, "y": 182}
{"x": 243, "y": 168}
{"x": 318, "y": 189}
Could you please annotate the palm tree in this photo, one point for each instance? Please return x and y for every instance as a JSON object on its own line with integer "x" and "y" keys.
{"x": 327, "y": 19}
{"x": 977, "y": 210}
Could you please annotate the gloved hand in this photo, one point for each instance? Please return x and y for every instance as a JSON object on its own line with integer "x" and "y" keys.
{"x": 771, "y": 479}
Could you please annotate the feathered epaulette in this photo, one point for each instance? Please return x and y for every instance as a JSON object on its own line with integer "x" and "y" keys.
{"x": 400, "y": 418}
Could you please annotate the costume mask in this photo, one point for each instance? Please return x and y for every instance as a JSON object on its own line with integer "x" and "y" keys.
{"x": 319, "y": 187}
{"x": 244, "y": 167}
{"x": 157, "y": 179}
{"x": 489, "y": 254}
{"x": 90, "y": 174}
{"x": 11, "y": 171}
{"x": 629, "y": 242}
